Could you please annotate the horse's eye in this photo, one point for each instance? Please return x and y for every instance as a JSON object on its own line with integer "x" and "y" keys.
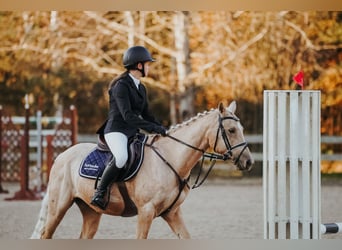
{"x": 231, "y": 130}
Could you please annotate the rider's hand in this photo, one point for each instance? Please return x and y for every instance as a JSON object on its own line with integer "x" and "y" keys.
{"x": 160, "y": 130}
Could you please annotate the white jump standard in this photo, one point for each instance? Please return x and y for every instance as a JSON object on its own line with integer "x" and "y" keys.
{"x": 291, "y": 166}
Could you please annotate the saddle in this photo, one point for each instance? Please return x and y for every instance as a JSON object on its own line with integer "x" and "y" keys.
{"x": 93, "y": 165}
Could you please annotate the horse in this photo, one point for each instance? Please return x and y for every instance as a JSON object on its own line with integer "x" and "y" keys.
{"x": 160, "y": 186}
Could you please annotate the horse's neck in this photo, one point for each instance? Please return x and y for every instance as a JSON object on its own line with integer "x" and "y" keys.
{"x": 182, "y": 157}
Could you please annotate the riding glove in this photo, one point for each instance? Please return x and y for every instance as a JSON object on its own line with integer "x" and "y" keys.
{"x": 160, "y": 130}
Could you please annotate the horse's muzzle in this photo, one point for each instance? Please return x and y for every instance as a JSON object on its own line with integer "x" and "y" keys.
{"x": 245, "y": 160}
{"x": 249, "y": 164}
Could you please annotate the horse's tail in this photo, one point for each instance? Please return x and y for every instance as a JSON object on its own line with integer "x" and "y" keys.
{"x": 39, "y": 228}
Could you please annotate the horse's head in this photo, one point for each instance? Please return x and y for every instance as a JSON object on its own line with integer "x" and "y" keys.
{"x": 228, "y": 138}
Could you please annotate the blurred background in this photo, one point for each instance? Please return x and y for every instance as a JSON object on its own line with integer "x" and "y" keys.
{"x": 61, "y": 58}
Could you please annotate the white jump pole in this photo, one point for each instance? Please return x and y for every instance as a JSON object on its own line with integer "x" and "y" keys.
{"x": 291, "y": 164}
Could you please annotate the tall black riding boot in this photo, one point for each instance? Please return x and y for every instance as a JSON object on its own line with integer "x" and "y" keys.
{"x": 109, "y": 175}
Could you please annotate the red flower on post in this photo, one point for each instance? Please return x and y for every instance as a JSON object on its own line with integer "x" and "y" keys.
{"x": 299, "y": 79}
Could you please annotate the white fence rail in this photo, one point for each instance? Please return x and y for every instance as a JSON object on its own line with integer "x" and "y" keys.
{"x": 331, "y": 140}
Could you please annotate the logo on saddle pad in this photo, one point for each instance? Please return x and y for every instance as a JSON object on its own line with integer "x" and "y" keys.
{"x": 95, "y": 162}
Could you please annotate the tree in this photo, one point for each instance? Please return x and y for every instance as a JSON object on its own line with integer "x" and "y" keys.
{"x": 202, "y": 58}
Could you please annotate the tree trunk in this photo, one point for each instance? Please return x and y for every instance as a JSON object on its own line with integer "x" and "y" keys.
{"x": 56, "y": 59}
{"x": 130, "y": 34}
{"x": 142, "y": 24}
{"x": 184, "y": 89}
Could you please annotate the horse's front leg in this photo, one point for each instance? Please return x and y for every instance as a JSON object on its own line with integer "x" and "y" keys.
{"x": 175, "y": 220}
{"x": 146, "y": 215}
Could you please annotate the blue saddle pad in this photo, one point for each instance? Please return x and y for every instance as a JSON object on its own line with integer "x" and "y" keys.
{"x": 95, "y": 162}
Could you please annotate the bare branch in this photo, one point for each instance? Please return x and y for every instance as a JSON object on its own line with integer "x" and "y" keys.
{"x": 232, "y": 54}
{"x": 308, "y": 42}
{"x": 122, "y": 28}
{"x": 109, "y": 70}
{"x": 25, "y": 47}
{"x": 245, "y": 46}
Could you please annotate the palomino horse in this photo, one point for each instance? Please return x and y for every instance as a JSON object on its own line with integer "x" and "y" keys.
{"x": 160, "y": 186}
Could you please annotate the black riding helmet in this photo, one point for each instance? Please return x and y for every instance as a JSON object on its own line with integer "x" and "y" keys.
{"x": 135, "y": 55}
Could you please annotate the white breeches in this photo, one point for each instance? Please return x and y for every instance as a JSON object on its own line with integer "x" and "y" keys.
{"x": 117, "y": 143}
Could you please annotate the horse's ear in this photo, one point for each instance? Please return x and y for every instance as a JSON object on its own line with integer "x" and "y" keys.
{"x": 221, "y": 107}
{"x": 232, "y": 107}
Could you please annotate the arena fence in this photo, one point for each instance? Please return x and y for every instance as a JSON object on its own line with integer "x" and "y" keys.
{"x": 27, "y": 146}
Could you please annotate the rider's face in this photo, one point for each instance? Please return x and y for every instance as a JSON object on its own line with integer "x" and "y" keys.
{"x": 147, "y": 67}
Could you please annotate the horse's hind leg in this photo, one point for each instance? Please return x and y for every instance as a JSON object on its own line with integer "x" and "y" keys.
{"x": 91, "y": 220}
{"x": 56, "y": 212}
{"x": 175, "y": 220}
{"x": 60, "y": 200}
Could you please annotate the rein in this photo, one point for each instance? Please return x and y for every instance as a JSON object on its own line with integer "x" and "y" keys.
{"x": 205, "y": 154}
{"x": 212, "y": 156}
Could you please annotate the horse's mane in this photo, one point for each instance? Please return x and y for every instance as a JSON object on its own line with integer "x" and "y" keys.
{"x": 191, "y": 120}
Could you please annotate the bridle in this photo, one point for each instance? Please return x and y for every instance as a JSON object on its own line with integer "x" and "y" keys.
{"x": 229, "y": 153}
{"x": 215, "y": 156}
{"x": 212, "y": 156}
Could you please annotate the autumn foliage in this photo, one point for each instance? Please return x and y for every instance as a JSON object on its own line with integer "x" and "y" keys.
{"x": 64, "y": 58}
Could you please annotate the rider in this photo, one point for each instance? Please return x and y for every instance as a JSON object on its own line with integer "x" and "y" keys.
{"x": 128, "y": 112}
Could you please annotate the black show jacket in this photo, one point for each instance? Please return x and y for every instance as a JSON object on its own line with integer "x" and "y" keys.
{"x": 128, "y": 109}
